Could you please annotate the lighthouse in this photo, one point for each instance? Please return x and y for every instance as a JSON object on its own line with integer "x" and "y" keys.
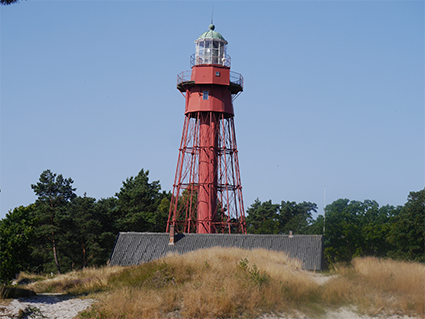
{"x": 207, "y": 190}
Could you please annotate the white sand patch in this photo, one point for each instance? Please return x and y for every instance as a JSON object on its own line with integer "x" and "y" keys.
{"x": 51, "y": 306}
{"x": 341, "y": 313}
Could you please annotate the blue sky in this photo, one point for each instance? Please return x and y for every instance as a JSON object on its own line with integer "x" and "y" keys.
{"x": 333, "y": 95}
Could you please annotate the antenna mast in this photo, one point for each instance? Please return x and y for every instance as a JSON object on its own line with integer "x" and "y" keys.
{"x": 212, "y": 15}
{"x": 324, "y": 211}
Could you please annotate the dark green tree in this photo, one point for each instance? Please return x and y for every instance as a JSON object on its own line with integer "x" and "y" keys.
{"x": 295, "y": 217}
{"x": 106, "y": 212}
{"x": 263, "y": 218}
{"x": 161, "y": 215}
{"x": 89, "y": 234}
{"x": 408, "y": 229}
{"x": 355, "y": 228}
{"x": 138, "y": 203}
{"x": 54, "y": 194}
{"x": 84, "y": 232}
{"x": 375, "y": 227}
{"x": 16, "y": 237}
{"x": 316, "y": 226}
{"x": 269, "y": 218}
{"x": 343, "y": 230}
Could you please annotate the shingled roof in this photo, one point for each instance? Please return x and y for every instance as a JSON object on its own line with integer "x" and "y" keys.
{"x": 136, "y": 248}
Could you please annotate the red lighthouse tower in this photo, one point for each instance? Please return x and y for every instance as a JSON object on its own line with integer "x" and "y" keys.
{"x": 207, "y": 191}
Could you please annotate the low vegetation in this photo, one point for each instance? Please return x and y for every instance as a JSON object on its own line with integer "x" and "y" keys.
{"x": 9, "y": 292}
{"x": 236, "y": 283}
{"x": 379, "y": 285}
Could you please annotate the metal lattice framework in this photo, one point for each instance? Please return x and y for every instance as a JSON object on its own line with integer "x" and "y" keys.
{"x": 228, "y": 214}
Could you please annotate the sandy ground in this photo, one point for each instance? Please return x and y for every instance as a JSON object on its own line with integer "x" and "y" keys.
{"x": 342, "y": 313}
{"x": 51, "y": 306}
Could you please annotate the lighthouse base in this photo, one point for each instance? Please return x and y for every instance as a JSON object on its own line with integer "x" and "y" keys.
{"x": 207, "y": 191}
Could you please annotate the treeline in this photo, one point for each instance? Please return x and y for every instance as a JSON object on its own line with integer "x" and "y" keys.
{"x": 61, "y": 231}
{"x": 351, "y": 228}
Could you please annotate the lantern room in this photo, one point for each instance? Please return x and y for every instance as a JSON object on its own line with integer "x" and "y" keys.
{"x": 211, "y": 48}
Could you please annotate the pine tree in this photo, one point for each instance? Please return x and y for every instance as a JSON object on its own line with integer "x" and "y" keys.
{"x": 54, "y": 193}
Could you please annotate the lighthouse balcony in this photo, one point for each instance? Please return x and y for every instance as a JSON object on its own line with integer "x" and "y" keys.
{"x": 236, "y": 80}
{"x": 184, "y": 80}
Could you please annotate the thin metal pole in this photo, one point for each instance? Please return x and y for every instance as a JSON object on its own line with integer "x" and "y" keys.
{"x": 324, "y": 210}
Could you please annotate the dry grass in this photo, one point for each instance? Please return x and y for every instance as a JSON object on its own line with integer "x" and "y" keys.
{"x": 25, "y": 277}
{"x": 379, "y": 286}
{"x": 85, "y": 281}
{"x": 232, "y": 282}
{"x": 236, "y": 283}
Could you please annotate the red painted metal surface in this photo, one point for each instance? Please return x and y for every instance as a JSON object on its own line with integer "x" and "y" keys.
{"x": 207, "y": 190}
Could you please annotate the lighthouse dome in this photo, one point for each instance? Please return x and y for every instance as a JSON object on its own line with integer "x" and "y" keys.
{"x": 211, "y": 48}
{"x": 211, "y": 34}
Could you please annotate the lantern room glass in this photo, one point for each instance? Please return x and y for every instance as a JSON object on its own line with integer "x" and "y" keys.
{"x": 210, "y": 51}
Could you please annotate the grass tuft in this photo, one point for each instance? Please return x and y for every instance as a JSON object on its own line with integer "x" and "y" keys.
{"x": 88, "y": 280}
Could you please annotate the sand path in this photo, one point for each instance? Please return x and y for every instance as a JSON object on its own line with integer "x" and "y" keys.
{"x": 51, "y": 306}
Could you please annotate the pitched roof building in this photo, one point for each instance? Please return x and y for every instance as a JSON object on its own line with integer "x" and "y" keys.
{"x": 135, "y": 248}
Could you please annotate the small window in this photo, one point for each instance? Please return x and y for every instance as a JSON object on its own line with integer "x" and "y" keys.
{"x": 217, "y": 73}
{"x": 205, "y": 95}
